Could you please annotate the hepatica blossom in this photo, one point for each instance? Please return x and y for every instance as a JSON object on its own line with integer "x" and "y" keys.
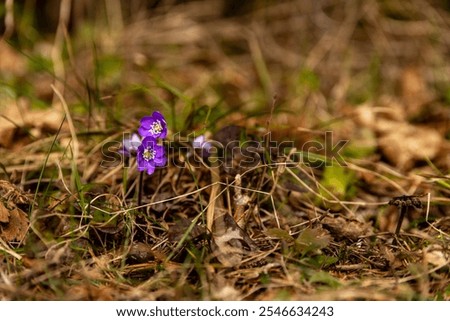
{"x": 130, "y": 145}
{"x": 202, "y": 144}
{"x": 154, "y": 126}
{"x": 149, "y": 153}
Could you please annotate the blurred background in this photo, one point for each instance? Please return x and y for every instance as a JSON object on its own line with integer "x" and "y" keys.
{"x": 326, "y": 64}
{"x": 317, "y": 57}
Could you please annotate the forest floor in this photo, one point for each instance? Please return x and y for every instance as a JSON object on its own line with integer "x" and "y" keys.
{"x": 330, "y": 180}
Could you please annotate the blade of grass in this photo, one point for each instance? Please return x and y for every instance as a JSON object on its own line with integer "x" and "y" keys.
{"x": 260, "y": 65}
{"x": 44, "y": 166}
{"x": 177, "y": 93}
{"x": 75, "y": 180}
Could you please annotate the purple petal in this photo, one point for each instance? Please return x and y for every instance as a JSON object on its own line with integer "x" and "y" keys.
{"x": 142, "y": 163}
{"x": 198, "y": 141}
{"x": 143, "y": 131}
{"x": 135, "y": 139}
{"x": 159, "y": 149}
{"x": 160, "y": 162}
{"x": 163, "y": 132}
{"x": 150, "y": 169}
{"x": 201, "y": 143}
{"x": 158, "y": 116}
{"x": 130, "y": 145}
{"x": 148, "y": 141}
{"x": 206, "y": 146}
{"x": 147, "y": 121}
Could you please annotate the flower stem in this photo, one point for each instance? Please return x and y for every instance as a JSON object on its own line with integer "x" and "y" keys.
{"x": 140, "y": 188}
{"x": 403, "y": 210}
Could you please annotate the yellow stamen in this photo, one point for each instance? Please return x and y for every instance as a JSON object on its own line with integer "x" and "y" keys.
{"x": 156, "y": 128}
{"x": 148, "y": 154}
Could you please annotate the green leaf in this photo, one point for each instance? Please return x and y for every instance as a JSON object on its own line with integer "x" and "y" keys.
{"x": 338, "y": 180}
{"x": 311, "y": 240}
{"x": 325, "y": 260}
{"x": 279, "y": 234}
{"x": 324, "y": 278}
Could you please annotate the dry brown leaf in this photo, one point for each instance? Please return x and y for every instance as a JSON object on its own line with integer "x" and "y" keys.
{"x": 13, "y": 221}
{"x": 140, "y": 252}
{"x": 47, "y": 120}
{"x": 230, "y": 244}
{"x": 406, "y": 143}
{"x": 400, "y": 142}
{"x": 436, "y": 255}
{"x": 11, "y": 193}
{"x": 4, "y": 214}
{"x": 17, "y": 226}
{"x": 15, "y": 116}
{"x": 379, "y": 118}
{"x": 342, "y": 227}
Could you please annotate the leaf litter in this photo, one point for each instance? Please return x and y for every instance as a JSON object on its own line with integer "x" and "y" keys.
{"x": 281, "y": 227}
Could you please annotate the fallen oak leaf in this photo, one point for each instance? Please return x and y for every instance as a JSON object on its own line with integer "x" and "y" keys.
{"x": 17, "y": 226}
{"x": 230, "y": 244}
{"x": 404, "y": 143}
{"x": 346, "y": 228}
{"x": 11, "y": 193}
{"x": 4, "y": 214}
{"x": 400, "y": 142}
{"x": 13, "y": 221}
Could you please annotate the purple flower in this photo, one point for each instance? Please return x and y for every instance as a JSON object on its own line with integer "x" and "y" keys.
{"x": 201, "y": 143}
{"x": 150, "y": 155}
{"x": 130, "y": 145}
{"x": 154, "y": 126}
